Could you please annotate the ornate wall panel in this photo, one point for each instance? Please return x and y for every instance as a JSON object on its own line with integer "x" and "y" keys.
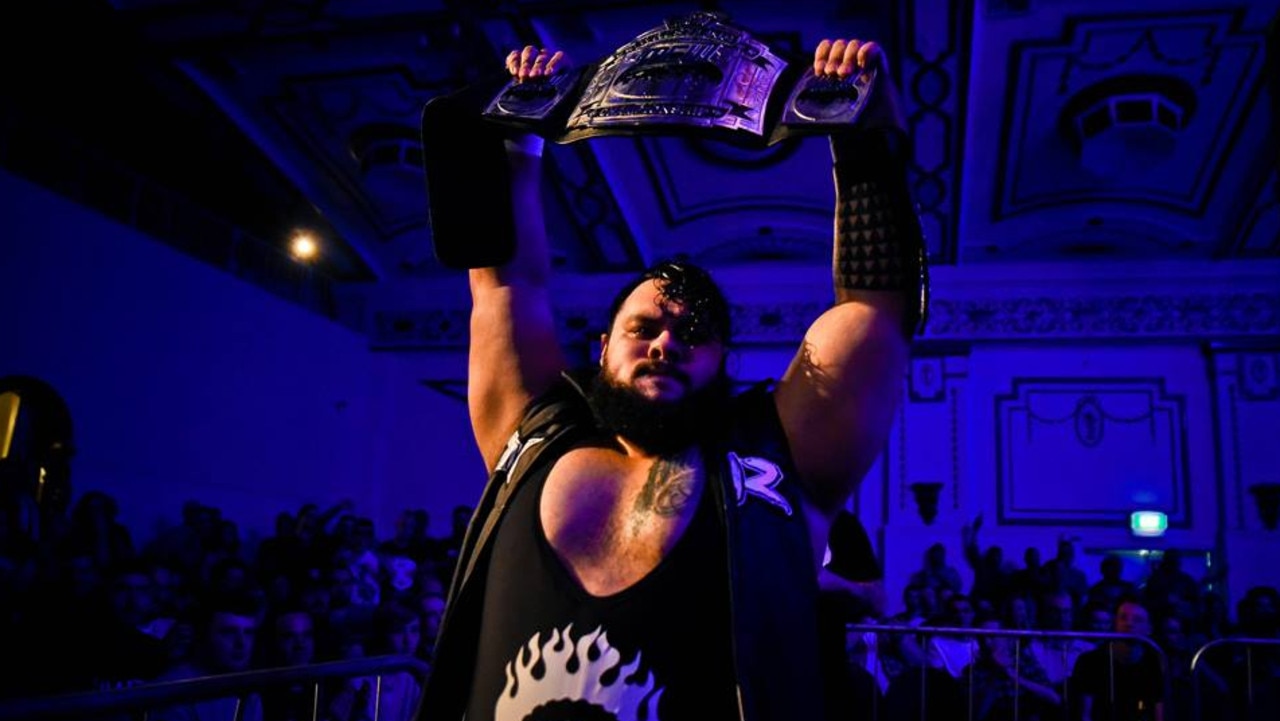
{"x": 1089, "y": 451}
{"x": 929, "y": 440}
{"x": 1248, "y": 409}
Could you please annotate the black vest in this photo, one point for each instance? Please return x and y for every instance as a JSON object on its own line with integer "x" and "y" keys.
{"x": 771, "y": 571}
{"x": 661, "y": 644}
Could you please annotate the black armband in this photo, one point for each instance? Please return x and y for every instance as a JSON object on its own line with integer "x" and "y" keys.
{"x": 465, "y": 162}
{"x": 878, "y": 236}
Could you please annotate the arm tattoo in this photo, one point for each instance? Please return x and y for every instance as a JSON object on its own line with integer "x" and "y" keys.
{"x": 667, "y": 491}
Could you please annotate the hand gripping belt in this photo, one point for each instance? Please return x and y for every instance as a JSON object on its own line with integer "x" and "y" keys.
{"x": 696, "y": 74}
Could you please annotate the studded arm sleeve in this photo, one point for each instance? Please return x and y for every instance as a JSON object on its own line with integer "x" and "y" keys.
{"x": 879, "y": 242}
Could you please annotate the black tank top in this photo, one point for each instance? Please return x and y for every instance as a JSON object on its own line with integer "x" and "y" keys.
{"x": 549, "y": 651}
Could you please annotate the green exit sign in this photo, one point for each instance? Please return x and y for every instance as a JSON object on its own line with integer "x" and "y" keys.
{"x": 1148, "y": 523}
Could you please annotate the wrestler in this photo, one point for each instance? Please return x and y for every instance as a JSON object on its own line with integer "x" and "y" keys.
{"x": 649, "y": 542}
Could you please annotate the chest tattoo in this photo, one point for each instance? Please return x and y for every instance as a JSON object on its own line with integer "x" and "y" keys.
{"x": 667, "y": 491}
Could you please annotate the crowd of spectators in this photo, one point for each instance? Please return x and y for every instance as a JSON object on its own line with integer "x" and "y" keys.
{"x": 86, "y": 606}
{"x": 1065, "y": 667}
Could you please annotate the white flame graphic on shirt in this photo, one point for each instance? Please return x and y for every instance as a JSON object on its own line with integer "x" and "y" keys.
{"x": 524, "y": 693}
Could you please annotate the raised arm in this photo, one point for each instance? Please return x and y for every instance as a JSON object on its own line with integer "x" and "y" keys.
{"x": 838, "y": 398}
{"x": 969, "y": 542}
{"x": 514, "y": 352}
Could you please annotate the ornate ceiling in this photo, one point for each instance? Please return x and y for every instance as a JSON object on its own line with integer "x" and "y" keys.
{"x": 1065, "y": 132}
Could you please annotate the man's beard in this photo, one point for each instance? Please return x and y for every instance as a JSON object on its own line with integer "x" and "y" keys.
{"x": 659, "y": 427}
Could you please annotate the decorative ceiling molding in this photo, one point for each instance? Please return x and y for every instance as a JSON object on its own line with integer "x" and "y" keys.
{"x": 306, "y": 114}
{"x": 1205, "y": 52}
{"x": 326, "y": 114}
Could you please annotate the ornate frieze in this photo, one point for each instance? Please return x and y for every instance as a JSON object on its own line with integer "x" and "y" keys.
{"x": 1167, "y": 315}
{"x": 1148, "y": 315}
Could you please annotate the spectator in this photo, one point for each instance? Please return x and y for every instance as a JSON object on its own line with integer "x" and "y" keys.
{"x": 1008, "y": 683}
{"x": 1121, "y": 680}
{"x": 953, "y": 653}
{"x": 126, "y": 645}
{"x": 1169, "y": 588}
{"x": 1028, "y": 581}
{"x": 292, "y": 643}
{"x": 1112, "y": 586}
{"x": 430, "y": 604}
{"x": 936, "y": 573}
{"x": 1057, "y": 654}
{"x": 992, "y": 579}
{"x": 1061, "y": 573}
{"x": 225, "y": 634}
{"x": 1254, "y": 673}
{"x": 851, "y": 591}
{"x": 396, "y": 630}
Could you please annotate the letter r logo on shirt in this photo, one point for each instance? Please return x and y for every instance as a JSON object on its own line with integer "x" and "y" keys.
{"x": 754, "y": 476}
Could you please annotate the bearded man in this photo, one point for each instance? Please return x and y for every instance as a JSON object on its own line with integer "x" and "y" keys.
{"x": 648, "y": 545}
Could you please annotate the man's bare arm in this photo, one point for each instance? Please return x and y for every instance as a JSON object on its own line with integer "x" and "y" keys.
{"x": 839, "y": 396}
{"x": 514, "y": 352}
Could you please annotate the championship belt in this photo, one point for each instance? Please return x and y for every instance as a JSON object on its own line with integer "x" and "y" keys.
{"x": 696, "y": 74}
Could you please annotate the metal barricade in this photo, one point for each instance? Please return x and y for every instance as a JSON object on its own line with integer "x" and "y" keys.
{"x": 933, "y": 704}
{"x": 1237, "y": 679}
{"x": 139, "y": 702}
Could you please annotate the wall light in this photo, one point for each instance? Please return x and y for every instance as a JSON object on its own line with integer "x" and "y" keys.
{"x": 1148, "y": 524}
{"x": 304, "y": 246}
